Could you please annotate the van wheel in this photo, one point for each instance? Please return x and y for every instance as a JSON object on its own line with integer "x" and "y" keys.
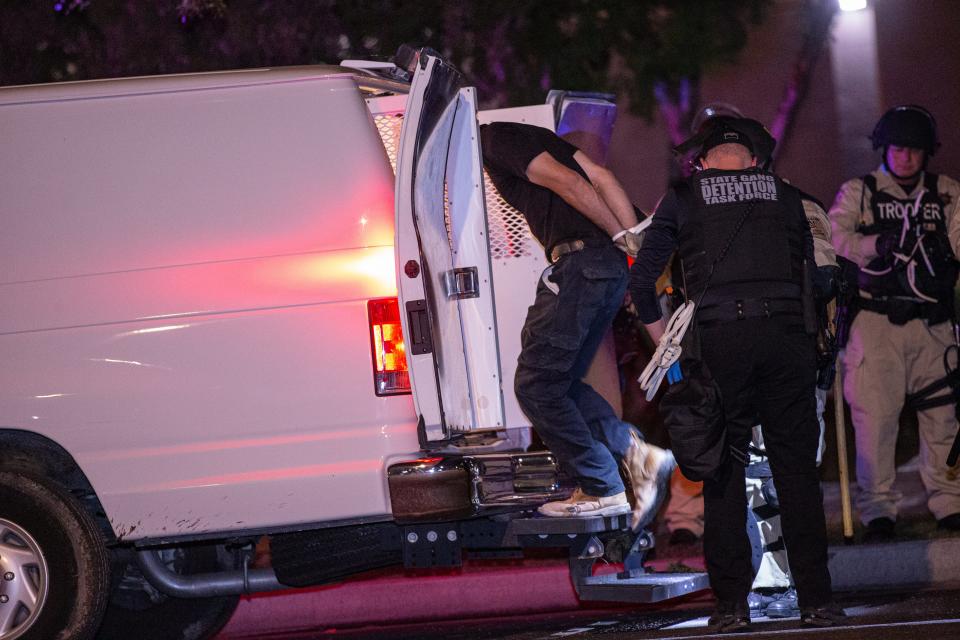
{"x": 54, "y": 568}
{"x": 138, "y": 610}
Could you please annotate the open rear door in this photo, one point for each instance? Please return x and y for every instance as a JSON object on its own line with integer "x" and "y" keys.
{"x": 443, "y": 258}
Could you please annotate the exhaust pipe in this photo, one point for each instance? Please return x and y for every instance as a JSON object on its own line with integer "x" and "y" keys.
{"x": 205, "y": 585}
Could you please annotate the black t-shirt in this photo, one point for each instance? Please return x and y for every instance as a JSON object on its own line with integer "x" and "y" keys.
{"x": 508, "y": 149}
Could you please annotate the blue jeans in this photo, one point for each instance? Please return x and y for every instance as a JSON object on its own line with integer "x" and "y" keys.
{"x": 561, "y": 335}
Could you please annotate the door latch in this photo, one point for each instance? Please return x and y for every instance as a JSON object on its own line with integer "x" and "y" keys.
{"x": 420, "y": 341}
{"x": 462, "y": 282}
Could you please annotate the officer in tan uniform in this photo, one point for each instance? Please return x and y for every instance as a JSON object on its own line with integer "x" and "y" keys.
{"x": 901, "y": 226}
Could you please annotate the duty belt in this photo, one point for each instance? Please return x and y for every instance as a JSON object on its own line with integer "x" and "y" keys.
{"x": 563, "y": 248}
{"x": 750, "y": 308}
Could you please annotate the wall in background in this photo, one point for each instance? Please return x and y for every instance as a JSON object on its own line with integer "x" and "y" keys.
{"x": 918, "y": 45}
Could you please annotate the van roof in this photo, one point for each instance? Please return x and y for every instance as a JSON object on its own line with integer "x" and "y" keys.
{"x": 86, "y": 89}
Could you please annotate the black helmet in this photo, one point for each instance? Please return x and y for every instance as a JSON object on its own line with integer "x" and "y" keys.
{"x": 907, "y": 126}
{"x": 756, "y": 137}
{"x": 710, "y": 111}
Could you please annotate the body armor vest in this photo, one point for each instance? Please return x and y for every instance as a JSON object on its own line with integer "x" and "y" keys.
{"x": 765, "y": 259}
{"x": 927, "y": 268}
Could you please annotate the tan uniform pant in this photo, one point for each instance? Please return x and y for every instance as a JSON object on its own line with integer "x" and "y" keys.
{"x": 883, "y": 362}
{"x": 684, "y": 509}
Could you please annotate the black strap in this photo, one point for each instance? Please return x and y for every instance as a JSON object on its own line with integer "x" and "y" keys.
{"x": 921, "y": 398}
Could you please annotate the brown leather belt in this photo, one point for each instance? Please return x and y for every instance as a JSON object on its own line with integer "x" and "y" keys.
{"x": 563, "y": 248}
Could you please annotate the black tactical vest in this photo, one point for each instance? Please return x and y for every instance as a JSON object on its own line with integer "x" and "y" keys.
{"x": 765, "y": 259}
{"x": 883, "y": 277}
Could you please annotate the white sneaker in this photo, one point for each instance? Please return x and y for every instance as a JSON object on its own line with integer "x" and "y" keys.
{"x": 649, "y": 469}
{"x": 580, "y": 505}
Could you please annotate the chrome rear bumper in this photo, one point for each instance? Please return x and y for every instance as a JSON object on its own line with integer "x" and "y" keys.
{"x": 461, "y": 486}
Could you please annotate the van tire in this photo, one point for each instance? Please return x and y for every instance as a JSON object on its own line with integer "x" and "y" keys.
{"x": 146, "y": 614}
{"x": 41, "y": 518}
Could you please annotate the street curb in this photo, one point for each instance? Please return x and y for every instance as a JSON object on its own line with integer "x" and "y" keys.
{"x": 896, "y": 565}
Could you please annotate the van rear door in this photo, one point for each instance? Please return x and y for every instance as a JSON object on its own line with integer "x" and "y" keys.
{"x": 443, "y": 258}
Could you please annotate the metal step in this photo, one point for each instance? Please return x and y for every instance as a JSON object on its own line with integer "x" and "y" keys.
{"x": 650, "y": 587}
{"x": 586, "y": 540}
{"x": 568, "y": 526}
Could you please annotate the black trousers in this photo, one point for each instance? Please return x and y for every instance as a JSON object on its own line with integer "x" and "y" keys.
{"x": 766, "y": 370}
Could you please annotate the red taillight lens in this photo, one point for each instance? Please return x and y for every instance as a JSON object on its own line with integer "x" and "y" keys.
{"x": 390, "y": 375}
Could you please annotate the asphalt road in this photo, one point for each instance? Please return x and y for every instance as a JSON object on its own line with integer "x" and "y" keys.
{"x": 908, "y": 616}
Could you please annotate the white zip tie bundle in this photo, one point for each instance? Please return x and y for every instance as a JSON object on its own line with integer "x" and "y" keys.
{"x": 668, "y": 351}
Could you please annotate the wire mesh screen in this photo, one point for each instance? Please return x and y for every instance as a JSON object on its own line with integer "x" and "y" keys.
{"x": 509, "y": 234}
{"x": 388, "y": 126}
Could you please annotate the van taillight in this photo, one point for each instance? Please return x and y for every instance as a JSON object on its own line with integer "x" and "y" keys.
{"x": 390, "y": 375}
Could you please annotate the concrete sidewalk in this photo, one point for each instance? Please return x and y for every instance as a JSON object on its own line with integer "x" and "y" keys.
{"x": 921, "y": 557}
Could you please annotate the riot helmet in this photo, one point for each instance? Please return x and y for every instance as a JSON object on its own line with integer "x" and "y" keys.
{"x": 906, "y": 126}
{"x": 721, "y": 131}
{"x": 745, "y": 131}
{"x": 713, "y": 110}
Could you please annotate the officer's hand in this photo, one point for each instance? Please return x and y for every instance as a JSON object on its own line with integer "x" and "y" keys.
{"x": 825, "y": 282}
{"x": 886, "y": 244}
{"x": 630, "y": 240}
{"x": 627, "y": 242}
{"x": 634, "y": 242}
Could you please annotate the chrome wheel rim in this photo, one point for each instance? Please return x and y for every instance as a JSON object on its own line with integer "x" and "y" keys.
{"x": 24, "y": 580}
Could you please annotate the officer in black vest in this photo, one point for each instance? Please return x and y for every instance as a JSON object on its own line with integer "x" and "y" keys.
{"x": 899, "y": 223}
{"x": 754, "y": 341}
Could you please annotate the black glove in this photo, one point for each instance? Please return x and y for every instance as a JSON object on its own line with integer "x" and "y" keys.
{"x": 825, "y": 283}
{"x": 886, "y": 244}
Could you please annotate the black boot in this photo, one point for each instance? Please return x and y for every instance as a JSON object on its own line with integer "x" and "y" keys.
{"x": 827, "y": 615}
{"x": 879, "y": 530}
{"x": 950, "y": 522}
{"x": 730, "y": 617}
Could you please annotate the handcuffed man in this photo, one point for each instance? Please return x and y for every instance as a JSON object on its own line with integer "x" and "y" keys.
{"x": 583, "y": 218}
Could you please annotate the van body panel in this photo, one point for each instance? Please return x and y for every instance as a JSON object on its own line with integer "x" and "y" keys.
{"x": 184, "y": 307}
{"x": 442, "y": 226}
{"x": 206, "y": 290}
{"x": 215, "y": 416}
{"x": 178, "y": 82}
{"x": 120, "y": 183}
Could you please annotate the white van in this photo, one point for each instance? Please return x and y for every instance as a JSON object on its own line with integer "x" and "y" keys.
{"x": 224, "y": 316}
